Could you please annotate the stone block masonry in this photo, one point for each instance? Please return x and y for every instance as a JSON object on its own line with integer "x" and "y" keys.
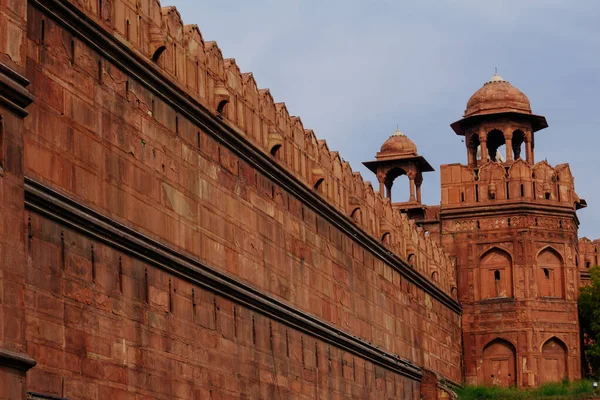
{"x": 179, "y": 235}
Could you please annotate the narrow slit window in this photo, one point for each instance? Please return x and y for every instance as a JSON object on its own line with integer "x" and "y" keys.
{"x": 462, "y": 197}
{"x": 522, "y": 190}
{"x": 498, "y": 283}
{"x": 547, "y": 273}
{"x": 175, "y": 59}
{"x": 507, "y": 191}
{"x": 477, "y": 193}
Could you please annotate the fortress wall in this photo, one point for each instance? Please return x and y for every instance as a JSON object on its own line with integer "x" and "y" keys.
{"x": 209, "y": 187}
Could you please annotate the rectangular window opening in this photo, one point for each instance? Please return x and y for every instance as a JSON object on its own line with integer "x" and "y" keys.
{"x": 546, "y": 273}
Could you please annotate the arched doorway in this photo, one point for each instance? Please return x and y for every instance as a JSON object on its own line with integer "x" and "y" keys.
{"x": 554, "y": 361}
{"x": 499, "y": 366}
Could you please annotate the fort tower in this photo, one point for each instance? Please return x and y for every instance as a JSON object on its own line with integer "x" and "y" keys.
{"x": 511, "y": 224}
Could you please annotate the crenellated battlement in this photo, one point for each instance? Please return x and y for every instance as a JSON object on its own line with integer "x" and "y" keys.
{"x": 219, "y": 84}
{"x": 495, "y": 183}
{"x": 587, "y": 258}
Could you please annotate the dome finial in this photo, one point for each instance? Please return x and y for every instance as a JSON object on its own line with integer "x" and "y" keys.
{"x": 496, "y": 77}
{"x": 398, "y": 132}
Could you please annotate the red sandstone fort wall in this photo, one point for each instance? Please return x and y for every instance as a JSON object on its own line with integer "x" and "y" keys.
{"x": 110, "y": 326}
{"x": 107, "y": 315}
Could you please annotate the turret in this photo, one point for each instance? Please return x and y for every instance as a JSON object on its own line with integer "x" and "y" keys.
{"x": 398, "y": 156}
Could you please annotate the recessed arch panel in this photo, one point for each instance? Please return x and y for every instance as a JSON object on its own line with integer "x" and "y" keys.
{"x": 549, "y": 274}
{"x": 495, "y": 270}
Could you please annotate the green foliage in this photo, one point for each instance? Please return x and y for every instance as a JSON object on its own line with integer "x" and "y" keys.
{"x": 550, "y": 391}
{"x": 589, "y": 320}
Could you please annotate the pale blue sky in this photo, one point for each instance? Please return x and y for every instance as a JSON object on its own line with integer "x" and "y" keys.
{"x": 354, "y": 69}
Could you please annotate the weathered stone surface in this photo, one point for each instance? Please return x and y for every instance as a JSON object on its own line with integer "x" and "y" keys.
{"x": 171, "y": 141}
{"x": 102, "y": 321}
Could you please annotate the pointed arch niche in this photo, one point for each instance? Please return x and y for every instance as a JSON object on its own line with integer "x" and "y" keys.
{"x": 495, "y": 270}
{"x": 499, "y": 366}
{"x": 550, "y": 280}
{"x": 554, "y": 361}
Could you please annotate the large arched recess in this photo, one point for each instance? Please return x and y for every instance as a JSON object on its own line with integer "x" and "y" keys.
{"x": 554, "y": 361}
{"x": 495, "y": 269}
{"x": 499, "y": 364}
{"x": 550, "y": 271}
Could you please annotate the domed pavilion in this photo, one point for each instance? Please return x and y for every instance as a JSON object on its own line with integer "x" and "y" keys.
{"x": 498, "y": 114}
{"x": 398, "y": 156}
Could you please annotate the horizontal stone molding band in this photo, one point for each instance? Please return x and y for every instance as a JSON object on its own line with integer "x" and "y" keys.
{"x": 13, "y": 93}
{"x": 39, "y": 396}
{"x": 141, "y": 69}
{"x": 487, "y": 210}
{"x": 19, "y": 361}
{"x": 49, "y": 203}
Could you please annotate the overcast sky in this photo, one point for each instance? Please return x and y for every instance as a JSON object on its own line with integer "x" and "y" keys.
{"x": 354, "y": 69}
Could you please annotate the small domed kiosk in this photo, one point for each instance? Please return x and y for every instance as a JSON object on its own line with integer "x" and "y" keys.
{"x": 398, "y": 156}
{"x": 498, "y": 114}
